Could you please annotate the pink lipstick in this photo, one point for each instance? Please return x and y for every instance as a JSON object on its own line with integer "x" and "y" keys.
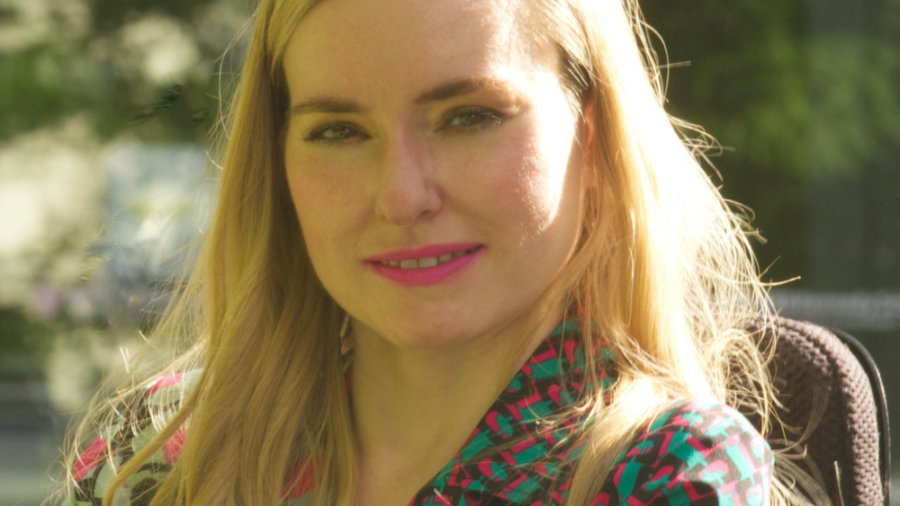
{"x": 427, "y": 265}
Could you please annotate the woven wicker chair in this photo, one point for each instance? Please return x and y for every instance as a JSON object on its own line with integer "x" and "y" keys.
{"x": 829, "y": 385}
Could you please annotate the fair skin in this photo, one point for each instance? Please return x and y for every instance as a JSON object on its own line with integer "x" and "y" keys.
{"x": 432, "y": 132}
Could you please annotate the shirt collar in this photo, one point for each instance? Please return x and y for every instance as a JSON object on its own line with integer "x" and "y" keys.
{"x": 526, "y": 440}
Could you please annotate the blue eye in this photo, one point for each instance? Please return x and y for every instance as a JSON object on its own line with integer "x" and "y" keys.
{"x": 472, "y": 118}
{"x": 336, "y": 133}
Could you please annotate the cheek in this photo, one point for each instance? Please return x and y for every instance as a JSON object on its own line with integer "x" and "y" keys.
{"x": 321, "y": 186}
{"x": 307, "y": 215}
{"x": 532, "y": 183}
{"x": 320, "y": 199}
{"x": 321, "y": 211}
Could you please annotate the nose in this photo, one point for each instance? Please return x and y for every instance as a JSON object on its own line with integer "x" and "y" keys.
{"x": 407, "y": 188}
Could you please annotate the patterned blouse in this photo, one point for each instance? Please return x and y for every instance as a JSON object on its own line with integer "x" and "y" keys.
{"x": 699, "y": 453}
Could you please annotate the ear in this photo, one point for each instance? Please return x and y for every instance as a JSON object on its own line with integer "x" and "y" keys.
{"x": 587, "y": 132}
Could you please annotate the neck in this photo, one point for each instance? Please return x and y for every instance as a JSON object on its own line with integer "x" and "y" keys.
{"x": 414, "y": 407}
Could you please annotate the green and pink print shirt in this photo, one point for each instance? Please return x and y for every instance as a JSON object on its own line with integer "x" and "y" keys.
{"x": 695, "y": 452}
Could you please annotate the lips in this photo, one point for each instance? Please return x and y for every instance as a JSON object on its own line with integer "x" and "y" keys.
{"x": 426, "y": 265}
{"x": 427, "y": 262}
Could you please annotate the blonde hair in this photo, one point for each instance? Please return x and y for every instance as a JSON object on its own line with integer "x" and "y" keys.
{"x": 663, "y": 271}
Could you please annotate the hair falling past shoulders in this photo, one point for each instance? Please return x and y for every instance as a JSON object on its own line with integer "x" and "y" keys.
{"x": 663, "y": 271}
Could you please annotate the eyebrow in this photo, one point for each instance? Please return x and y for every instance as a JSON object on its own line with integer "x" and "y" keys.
{"x": 441, "y": 92}
{"x": 464, "y": 87}
{"x": 325, "y": 104}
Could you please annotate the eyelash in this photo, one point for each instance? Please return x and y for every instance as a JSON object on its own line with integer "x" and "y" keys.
{"x": 462, "y": 120}
{"x": 484, "y": 118}
{"x": 320, "y": 134}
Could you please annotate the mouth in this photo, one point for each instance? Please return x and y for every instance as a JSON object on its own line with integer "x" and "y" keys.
{"x": 427, "y": 265}
{"x": 427, "y": 262}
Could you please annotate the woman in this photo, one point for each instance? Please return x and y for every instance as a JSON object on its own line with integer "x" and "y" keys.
{"x": 461, "y": 255}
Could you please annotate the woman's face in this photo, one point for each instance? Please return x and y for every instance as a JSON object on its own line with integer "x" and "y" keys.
{"x": 433, "y": 163}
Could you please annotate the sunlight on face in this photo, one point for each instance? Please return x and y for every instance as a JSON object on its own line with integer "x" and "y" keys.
{"x": 429, "y": 158}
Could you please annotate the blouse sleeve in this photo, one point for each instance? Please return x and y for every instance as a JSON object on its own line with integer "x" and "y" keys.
{"x": 93, "y": 473}
{"x": 695, "y": 453}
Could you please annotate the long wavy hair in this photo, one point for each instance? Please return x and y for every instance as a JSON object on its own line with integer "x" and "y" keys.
{"x": 663, "y": 270}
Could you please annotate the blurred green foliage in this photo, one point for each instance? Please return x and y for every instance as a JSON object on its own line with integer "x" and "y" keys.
{"x": 24, "y": 346}
{"x": 132, "y": 71}
{"x": 803, "y": 95}
{"x": 83, "y": 65}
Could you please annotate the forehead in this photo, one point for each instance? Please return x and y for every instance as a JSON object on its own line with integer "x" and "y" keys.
{"x": 369, "y": 43}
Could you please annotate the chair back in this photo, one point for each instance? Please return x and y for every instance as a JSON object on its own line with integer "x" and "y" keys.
{"x": 829, "y": 386}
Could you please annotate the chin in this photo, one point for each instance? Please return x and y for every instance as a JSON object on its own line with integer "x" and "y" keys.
{"x": 433, "y": 337}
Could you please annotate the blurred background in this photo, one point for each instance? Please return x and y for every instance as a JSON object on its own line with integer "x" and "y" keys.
{"x": 106, "y": 106}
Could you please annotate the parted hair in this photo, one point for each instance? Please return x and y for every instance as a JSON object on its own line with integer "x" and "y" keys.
{"x": 663, "y": 271}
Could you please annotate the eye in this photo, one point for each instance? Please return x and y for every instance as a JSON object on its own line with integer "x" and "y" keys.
{"x": 471, "y": 119}
{"x": 336, "y": 133}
